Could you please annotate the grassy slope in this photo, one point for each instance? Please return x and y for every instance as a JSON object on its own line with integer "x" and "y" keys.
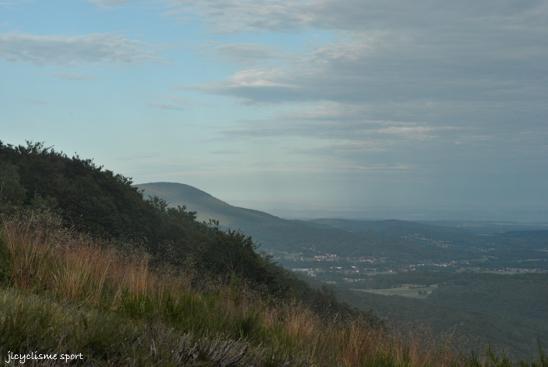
{"x": 68, "y": 294}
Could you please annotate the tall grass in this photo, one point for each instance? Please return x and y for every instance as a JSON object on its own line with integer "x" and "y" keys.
{"x": 87, "y": 295}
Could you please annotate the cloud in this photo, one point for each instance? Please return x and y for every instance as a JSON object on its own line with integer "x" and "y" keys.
{"x": 415, "y": 132}
{"x": 356, "y": 135}
{"x": 171, "y": 103}
{"x": 73, "y": 76}
{"x": 354, "y": 15}
{"x": 236, "y": 15}
{"x": 72, "y": 50}
{"x": 389, "y": 67}
{"x": 454, "y": 55}
{"x": 12, "y": 3}
{"x": 445, "y": 86}
{"x": 423, "y": 69}
{"x": 108, "y": 3}
{"x": 246, "y": 53}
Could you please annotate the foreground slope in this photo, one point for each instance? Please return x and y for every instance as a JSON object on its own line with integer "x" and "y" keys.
{"x": 64, "y": 292}
{"x": 67, "y": 295}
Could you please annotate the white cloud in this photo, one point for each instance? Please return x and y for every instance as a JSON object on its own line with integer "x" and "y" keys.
{"x": 71, "y": 50}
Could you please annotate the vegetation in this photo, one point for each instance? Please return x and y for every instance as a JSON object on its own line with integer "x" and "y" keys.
{"x": 87, "y": 266}
{"x": 68, "y": 293}
{"x": 105, "y": 205}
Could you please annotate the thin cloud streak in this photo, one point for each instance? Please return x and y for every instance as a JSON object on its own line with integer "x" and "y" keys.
{"x": 72, "y": 50}
{"x": 108, "y": 3}
{"x": 73, "y": 76}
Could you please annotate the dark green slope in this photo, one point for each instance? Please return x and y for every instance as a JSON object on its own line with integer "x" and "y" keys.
{"x": 103, "y": 204}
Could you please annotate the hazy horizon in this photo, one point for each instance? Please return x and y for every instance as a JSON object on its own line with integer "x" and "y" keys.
{"x": 290, "y": 210}
{"x": 364, "y": 108}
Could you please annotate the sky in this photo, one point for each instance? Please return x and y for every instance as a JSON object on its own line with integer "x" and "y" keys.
{"x": 357, "y": 108}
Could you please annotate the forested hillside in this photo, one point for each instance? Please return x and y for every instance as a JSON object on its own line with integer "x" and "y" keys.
{"x": 103, "y": 204}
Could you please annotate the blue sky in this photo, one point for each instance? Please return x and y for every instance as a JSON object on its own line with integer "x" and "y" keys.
{"x": 424, "y": 109}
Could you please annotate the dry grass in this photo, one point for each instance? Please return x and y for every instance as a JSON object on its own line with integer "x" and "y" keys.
{"x": 45, "y": 258}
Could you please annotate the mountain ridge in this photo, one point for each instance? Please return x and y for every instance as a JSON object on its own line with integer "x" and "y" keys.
{"x": 312, "y": 237}
{"x": 198, "y": 200}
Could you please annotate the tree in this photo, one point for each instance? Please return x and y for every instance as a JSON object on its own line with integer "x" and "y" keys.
{"x": 11, "y": 191}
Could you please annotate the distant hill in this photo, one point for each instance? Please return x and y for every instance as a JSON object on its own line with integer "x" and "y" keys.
{"x": 389, "y": 238}
{"x": 407, "y": 232}
{"x": 205, "y": 205}
{"x": 273, "y": 233}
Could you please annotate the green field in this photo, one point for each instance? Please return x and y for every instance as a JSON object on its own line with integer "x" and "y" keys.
{"x": 405, "y": 290}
